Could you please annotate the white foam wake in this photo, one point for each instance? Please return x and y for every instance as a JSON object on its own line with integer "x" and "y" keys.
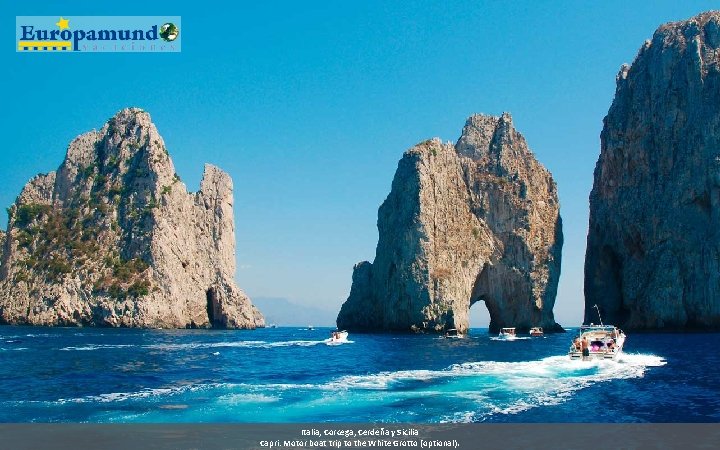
{"x": 471, "y": 391}
{"x": 547, "y": 382}
{"x": 198, "y": 345}
{"x": 516, "y": 338}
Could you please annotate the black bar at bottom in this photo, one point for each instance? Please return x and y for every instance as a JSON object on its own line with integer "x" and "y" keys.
{"x": 357, "y": 436}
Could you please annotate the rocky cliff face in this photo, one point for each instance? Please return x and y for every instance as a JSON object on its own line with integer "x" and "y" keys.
{"x": 653, "y": 256}
{"x": 113, "y": 238}
{"x": 477, "y": 221}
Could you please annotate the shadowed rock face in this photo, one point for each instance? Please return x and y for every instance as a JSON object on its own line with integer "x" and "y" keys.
{"x": 477, "y": 221}
{"x": 113, "y": 238}
{"x": 653, "y": 255}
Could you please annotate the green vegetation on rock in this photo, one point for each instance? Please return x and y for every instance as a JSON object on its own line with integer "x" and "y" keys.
{"x": 27, "y": 213}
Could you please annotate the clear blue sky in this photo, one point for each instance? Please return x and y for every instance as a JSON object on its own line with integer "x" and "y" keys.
{"x": 309, "y": 106}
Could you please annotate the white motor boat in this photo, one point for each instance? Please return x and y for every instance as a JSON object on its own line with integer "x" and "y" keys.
{"x": 507, "y": 333}
{"x": 536, "y": 331}
{"x": 337, "y": 337}
{"x": 454, "y": 333}
{"x": 599, "y": 341}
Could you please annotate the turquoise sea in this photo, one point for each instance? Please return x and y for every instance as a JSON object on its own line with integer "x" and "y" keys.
{"x": 292, "y": 375}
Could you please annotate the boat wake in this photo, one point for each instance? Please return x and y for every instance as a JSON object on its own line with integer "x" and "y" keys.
{"x": 468, "y": 392}
{"x": 338, "y": 341}
{"x": 203, "y": 345}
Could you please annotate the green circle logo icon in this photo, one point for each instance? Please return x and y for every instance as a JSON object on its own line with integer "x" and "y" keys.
{"x": 169, "y": 32}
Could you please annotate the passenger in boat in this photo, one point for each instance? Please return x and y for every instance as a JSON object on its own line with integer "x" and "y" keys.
{"x": 577, "y": 344}
{"x": 610, "y": 346}
{"x": 585, "y": 350}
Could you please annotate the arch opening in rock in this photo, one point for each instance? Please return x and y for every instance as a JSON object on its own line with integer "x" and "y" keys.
{"x": 482, "y": 292}
{"x": 479, "y": 315}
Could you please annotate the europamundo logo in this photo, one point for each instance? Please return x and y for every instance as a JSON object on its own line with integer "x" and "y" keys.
{"x": 93, "y": 34}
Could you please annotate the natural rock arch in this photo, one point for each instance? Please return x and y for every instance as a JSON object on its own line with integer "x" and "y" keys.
{"x": 474, "y": 221}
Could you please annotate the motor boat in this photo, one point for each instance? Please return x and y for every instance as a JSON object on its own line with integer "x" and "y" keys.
{"x": 601, "y": 341}
{"x": 507, "y": 333}
{"x": 454, "y": 333}
{"x": 536, "y": 331}
{"x": 337, "y": 337}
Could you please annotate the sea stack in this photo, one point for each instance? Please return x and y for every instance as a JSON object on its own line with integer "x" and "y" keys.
{"x": 113, "y": 238}
{"x": 474, "y": 221}
{"x": 653, "y": 253}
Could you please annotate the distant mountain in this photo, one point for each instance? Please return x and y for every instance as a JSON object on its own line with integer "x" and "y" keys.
{"x": 283, "y": 312}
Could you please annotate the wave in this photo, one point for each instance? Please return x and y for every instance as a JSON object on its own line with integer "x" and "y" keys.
{"x": 91, "y": 347}
{"x": 235, "y": 399}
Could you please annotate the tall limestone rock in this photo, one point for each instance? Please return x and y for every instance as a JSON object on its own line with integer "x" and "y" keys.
{"x": 477, "y": 221}
{"x": 653, "y": 255}
{"x": 113, "y": 238}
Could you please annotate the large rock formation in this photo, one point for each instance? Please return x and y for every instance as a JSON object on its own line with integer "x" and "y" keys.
{"x": 477, "y": 221}
{"x": 653, "y": 255}
{"x": 113, "y": 238}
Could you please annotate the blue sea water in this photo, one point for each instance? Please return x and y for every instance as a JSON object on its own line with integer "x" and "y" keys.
{"x": 292, "y": 375}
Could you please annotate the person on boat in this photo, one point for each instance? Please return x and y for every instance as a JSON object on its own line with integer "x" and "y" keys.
{"x": 610, "y": 346}
{"x": 585, "y": 349}
{"x": 577, "y": 344}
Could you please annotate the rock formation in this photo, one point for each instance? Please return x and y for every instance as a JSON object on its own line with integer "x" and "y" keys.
{"x": 653, "y": 255}
{"x": 477, "y": 221}
{"x": 113, "y": 238}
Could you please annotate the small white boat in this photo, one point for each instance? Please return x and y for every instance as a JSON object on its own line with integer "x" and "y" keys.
{"x": 536, "y": 331}
{"x": 337, "y": 337}
{"x": 310, "y": 328}
{"x": 454, "y": 333}
{"x": 598, "y": 341}
{"x": 507, "y": 333}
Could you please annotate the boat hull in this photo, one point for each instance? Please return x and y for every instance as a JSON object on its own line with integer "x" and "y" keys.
{"x": 595, "y": 356}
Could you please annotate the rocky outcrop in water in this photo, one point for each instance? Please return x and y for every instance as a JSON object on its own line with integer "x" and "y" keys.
{"x": 474, "y": 221}
{"x": 653, "y": 255}
{"x": 113, "y": 238}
